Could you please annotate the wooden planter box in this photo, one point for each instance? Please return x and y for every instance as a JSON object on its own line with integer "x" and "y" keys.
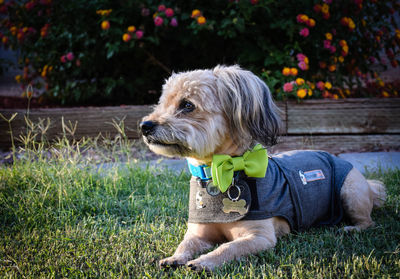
{"x": 333, "y": 125}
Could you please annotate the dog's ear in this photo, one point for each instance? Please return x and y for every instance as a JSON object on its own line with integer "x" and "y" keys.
{"x": 248, "y": 106}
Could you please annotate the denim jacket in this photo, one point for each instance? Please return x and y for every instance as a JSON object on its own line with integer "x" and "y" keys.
{"x": 303, "y": 187}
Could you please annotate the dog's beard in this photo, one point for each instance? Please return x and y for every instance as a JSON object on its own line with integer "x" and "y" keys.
{"x": 166, "y": 148}
{"x": 165, "y": 141}
{"x": 194, "y": 139}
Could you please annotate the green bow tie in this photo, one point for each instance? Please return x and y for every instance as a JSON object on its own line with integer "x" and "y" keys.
{"x": 254, "y": 163}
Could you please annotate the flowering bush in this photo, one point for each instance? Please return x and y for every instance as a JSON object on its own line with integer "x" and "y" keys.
{"x": 120, "y": 52}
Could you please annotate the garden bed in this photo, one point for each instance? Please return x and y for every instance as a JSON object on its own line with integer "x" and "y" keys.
{"x": 333, "y": 125}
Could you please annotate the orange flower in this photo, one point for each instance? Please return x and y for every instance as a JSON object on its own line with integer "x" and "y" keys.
{"x": 105, "y": 25}
{"x": 352, "y": 25}
{"x": 328, "y": 85}
{"x": 299, "y": 81}
{"x": 44, "y": 71}
{"x": 201, "y": 20}
{"x": 304, "y": 18}
{"x": 332, "y": 68}
{"x": 18, "y": 78}
{"x": 293, "y": 71}
{"x": 131, "y": 29}
{"x": 104, "y": 12}
{"x": 342, "y": 43}
{"x": 126, "y": 37}
{"x": 325, "y": 8}
{"x": 341, "y": 59}
{"x": 196, "y": 13}
{"x": 328, "y": 36}
{"x": 309, "y": 92}
{"x": 286, "y": 71}
{"x": 311, "y": 22}
{"x": 301, "y": 93}
{"x": 13, "y": 30}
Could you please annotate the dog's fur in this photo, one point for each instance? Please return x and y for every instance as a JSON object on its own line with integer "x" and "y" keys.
{"x": 233, "y": 110}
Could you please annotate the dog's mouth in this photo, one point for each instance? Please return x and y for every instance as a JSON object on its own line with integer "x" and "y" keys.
{"x": 170, "y": 148}
{"x": 160, "y": 143}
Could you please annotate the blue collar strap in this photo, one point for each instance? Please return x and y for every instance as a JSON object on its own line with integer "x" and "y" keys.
{"x": 203, "y": 171}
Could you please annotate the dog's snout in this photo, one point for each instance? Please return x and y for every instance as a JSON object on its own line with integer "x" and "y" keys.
{"x": 147, "y": 127}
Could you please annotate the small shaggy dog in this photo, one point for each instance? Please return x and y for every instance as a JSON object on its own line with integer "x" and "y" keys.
{"x": 240, "y": 197}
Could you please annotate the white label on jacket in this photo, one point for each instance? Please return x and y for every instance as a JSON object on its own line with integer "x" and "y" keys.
{"x": 314, "y": 175}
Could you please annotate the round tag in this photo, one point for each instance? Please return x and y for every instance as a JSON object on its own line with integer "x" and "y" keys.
{"x": 212, "y": 190}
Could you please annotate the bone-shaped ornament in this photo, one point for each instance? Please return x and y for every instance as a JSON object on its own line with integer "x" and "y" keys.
{"x": 234, "y": 206}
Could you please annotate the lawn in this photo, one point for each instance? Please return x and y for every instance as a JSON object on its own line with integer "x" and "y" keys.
{"x": 64, "y": 217}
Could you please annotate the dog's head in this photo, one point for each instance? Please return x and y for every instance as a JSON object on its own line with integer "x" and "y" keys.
{"x": 225, "y": 110}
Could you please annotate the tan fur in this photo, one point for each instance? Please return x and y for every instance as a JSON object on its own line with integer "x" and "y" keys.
{"x": 233, "y": 111}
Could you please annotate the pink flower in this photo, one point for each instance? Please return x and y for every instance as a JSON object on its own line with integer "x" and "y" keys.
{"x": 161, "y": 8}
{"x": 169, "y": 12}
{"x": 321, "y": 85}
{"x": 299, "y": 18}
{"x": 327, "y": 44}
{"x": 304, "y": 32}
{"x": 174, "y": 22}
{"x": 70, "y": 56}
{"x": 139, "y": 34}
{"x": 288, "y": 87}
{"x": 302, "y": 65}
{"x": 158, "y": 21}
{"x": 300, "y": 57}
{"x": 63, "y": 59}
{"x": 332, "y": 49}
{"x": 328, "y": 1}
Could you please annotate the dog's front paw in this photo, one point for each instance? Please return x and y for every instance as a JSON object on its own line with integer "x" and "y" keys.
{"x": 200, "y": 265}
{"x": 172, "y": 262}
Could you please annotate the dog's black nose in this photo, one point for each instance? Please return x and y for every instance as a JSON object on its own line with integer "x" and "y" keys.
{"x": 147, "y": 127}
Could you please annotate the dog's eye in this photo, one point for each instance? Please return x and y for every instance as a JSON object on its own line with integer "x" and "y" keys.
{"x": 186, "y": 106}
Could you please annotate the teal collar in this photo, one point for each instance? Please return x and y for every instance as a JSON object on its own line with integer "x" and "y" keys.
{"x": 203, "y": 172}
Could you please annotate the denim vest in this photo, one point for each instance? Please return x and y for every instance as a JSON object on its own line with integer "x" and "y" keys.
{"x": 303, "y": 187}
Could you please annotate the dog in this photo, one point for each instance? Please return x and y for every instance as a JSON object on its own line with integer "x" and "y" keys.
{"x": 228, "y": 110}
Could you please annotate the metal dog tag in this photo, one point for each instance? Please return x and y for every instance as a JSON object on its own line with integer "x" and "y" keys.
{"x": 212, "y": 189}
{"x": 234, "y": 206}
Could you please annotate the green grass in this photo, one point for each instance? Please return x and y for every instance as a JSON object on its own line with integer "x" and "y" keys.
{"x": 63, "y": 218}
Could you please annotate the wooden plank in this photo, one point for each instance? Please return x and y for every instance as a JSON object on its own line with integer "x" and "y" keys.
{"x": 349, "y": 116}
{"x": 308, "y": 122}
{"x": 90, "y": 121}
{"x": 339, "y": 143}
